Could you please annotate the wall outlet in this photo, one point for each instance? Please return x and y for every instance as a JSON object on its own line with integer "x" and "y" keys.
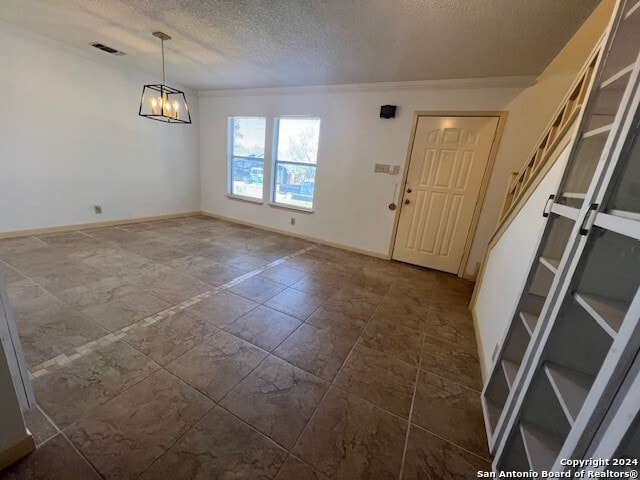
{"x": 97, "y": 209}
{"x": 293, "y": 221}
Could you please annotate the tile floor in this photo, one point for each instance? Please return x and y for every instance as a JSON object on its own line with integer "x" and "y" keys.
{"x": 197, "y": 348}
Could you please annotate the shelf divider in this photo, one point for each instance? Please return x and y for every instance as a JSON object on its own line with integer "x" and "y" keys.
{"x": 551, "y": 263}
{"x": 616, "y": 76}
{"x": 530, "y": 320}
{"x": 570, "y": 386}
{"x": 597, "y": 131}
{"x": 579, "y": 196}
{"x": 542, "y": 447}
{"x": 510, "y": 369}
{"x": 632, "y": 10}
{"x": 608, "y": 312}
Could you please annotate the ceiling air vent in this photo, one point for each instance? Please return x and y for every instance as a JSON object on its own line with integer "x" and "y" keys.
{"x": 107, "y": 49}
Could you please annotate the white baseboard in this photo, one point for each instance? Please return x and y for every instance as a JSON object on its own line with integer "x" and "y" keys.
{"x": 108, "y": 223}
{"x": 297, "y": 235}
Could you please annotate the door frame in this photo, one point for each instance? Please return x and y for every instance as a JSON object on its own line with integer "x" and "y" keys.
{"x": 502, "y": 119}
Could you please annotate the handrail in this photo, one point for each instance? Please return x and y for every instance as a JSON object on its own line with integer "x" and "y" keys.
{"x": 538, "y": 159}
{"x": 557, "y": 134}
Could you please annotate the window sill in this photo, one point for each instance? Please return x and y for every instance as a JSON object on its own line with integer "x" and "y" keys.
{"x": 291, "y": 207}
{"x": 244, "y": 199}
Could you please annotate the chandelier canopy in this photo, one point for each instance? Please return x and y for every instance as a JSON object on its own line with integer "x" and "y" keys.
{"x": 161, "y": 102}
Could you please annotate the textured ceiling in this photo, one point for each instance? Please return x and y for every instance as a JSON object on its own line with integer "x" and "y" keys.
{"x": 264, "y": 43}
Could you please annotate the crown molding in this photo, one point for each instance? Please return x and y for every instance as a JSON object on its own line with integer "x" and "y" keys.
{"x": 521, "y": 81}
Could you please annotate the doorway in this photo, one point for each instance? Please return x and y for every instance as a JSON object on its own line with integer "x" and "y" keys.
{"x": 446, "y": 176}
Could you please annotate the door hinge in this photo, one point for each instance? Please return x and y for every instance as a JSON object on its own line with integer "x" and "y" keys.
{"x": 547, "y": 206}
{"x": 589, "y": 219}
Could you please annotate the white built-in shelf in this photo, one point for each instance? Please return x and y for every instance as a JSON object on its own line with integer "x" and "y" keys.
{"x": 551, "y": 263}
{"x": 608, "y": 312}
{"x": 632, "y": 10}
{"x": 597, "y": 131}
{"x": 556, "y": 411}
{"x": 530, "y": 320}
{"x": 579, "y": 196}
{"x": 625, "y": 214}
{"x": 510, "y": 369}
{"x": 571, "y": 387}
{"x": 542, "y": 447}
{"x": 494, "y": 412}
{"x": 613, "y": 81}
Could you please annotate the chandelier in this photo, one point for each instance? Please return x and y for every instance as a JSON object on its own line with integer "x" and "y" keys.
{"x": 161, "y": 102}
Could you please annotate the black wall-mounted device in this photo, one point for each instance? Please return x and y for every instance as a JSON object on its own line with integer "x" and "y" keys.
{"x": 387, "y": 111}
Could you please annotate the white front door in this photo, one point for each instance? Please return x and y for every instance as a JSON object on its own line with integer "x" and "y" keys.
{"x": 447, "y": 163}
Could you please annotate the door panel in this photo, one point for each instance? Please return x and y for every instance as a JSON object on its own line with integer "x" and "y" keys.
{"x": 447, "y": 163}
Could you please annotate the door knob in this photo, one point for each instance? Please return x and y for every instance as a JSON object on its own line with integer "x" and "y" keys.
{"x": 407, "y": 201}
{"x": 408, "y": 190}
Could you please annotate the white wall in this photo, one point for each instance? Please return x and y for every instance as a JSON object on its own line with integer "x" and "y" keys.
{"x": 507, "y": 266}
{"x": 350, "y": 200}
{"x": 70, "y": 136}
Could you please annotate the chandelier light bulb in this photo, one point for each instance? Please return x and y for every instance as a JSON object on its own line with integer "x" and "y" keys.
{"x": 162, "y": 102}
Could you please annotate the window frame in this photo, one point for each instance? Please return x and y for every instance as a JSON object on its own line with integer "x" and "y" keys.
{"x": 274, "y": 163}
{"x": 231, "y": 156}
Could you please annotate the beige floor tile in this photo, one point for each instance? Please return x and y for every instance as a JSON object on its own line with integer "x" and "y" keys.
{"x": 284, "y": 274}
{"x": 222, "y": 308}
{"x": 296, "y": 469}
{"x": 296, "y": 303}
{"x": 379, "y": 378}
{"x": 218, "y": 364}
{"x": 337, "y": 323}
{"x": 349, "y": 439}
{"x": 353, "y": 302}
{"x": 429, "y": 456}
{"x": 316, "y": 350}
{"x": 277, "y": 398}
{"x": 217, "y": 274}
{"x": 56, "y": 331}
{"x": 453, "y": 327}
{"x": 70, "y": 392}
{"x": 258, "y": 289}
{"x": 54, "y": 460}
{"x": 124, "y": 309}
{"x": 451, "y": 361}
{"x": 264, "y": 327}
{"x": 400, "y": 342}
{"x": 169, "y": 338}
{"x": 39, "y": 425}
{"x": 220, "y": 446}
{"x": 126, "y": 435}
{"x": 451, "y": 411}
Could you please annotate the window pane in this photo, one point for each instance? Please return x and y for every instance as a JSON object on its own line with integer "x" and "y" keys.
{"x": 296, "y": 157}
{"x": 298, "y": 139}
{"x": 295, "y": 184}
{"x": 247, "y": 155}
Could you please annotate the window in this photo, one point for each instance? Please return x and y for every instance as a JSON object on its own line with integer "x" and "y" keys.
{"x": 295, "y": 155}
{"x": 246, "y": 156}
